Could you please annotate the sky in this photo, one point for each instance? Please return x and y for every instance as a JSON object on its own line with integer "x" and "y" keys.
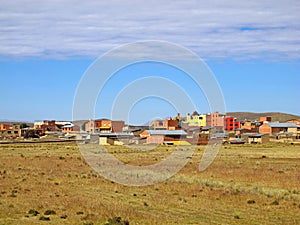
{"x": 46, "y": 47}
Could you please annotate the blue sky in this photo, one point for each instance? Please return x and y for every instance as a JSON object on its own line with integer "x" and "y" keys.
{"x": 252, "y": 47}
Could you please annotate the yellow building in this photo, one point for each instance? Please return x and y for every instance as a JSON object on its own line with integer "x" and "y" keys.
{"x": 196, "y": 120}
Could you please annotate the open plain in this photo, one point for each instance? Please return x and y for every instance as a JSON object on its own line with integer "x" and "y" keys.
{"x": 50, "y": 183}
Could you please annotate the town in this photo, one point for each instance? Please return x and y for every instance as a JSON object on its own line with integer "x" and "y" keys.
{"x": 193, "y": 128}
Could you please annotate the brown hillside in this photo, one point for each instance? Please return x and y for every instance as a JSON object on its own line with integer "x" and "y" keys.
{"x": 276, "y": 116}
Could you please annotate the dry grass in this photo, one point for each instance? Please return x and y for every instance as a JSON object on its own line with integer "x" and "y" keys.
{"x": 244, "y": 185}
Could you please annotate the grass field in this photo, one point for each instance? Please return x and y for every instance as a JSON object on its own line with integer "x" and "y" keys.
{"x": 257, "y": 184}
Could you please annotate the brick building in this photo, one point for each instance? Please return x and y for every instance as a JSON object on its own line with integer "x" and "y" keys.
{"x": 216, "y": 120}
{"x": 231, "y": 124}
{"x": 276, "y": 127}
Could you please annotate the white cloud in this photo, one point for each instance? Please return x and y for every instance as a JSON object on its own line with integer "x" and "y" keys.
{"x": 213, "y": 29}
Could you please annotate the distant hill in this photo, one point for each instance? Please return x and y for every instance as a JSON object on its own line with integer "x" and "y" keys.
{"x": 80, "y": 123}
{"x": 15, "y": 122}
{"x": 276, "y": 116}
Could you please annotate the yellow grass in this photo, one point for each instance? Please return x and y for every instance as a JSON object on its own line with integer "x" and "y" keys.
{"x": 244, "y": 185}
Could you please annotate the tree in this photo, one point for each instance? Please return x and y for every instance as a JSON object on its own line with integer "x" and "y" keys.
{"x": 23, "y": 125}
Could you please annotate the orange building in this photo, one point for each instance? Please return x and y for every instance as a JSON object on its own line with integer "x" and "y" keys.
{"x": 276, "y": 127}
{"x": 168, "y": 124}
{"x": 297, "y": 122}
{"x": 104, "y": 126}
{"x": 4, "y": 126}
{"x": 70, "y": 128}
{"x": 265, "y": 119}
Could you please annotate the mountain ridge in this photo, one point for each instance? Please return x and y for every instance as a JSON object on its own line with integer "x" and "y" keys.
{"x": 276, "y": 116}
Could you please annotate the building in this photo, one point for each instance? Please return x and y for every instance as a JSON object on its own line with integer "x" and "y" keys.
{"x": 195, "y": 120}
{"x": 277, "y": 127}
{"x": 90, "y": 126}
{"x": 10, "y": 131}
{"x": 167, "y": 124}
{"x": 70, "y": 128}
{"x": 265, "y": 119}
{"x": 115, "y": 138}
{"x": 216, "y": 120}
{"x": 117, "y": 126}
{"x": 5, "y": 126}
{"x": 104, "y": 126}
{"x": 49, "y": 126}
{"x": 161, "y": 136}
{"x": 256, "y": 138}
{"x": 159, "y": 125}
{"x": 231, "y": 124}
{"x": 297, "y": 122}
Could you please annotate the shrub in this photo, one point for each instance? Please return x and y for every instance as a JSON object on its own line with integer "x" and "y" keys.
{"x": 64, "y": 216}
{"x": 44, "y": 218}
{"x": 276, "y": 202}
{"x": 33, "y": 212}
{"x": 236, "y": 217}
{"x": 251, "y": 201}
{"x": 117, "y": 221}
{"x": 49, "y": 212}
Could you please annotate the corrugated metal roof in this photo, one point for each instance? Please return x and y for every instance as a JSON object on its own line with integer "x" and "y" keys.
{"x": 68, "y": 126}
{"x": 166, "y": 132}
{"x": 121, "y": 134}
{"x": 253, "y": 134}
{"x": 277, "y": 124}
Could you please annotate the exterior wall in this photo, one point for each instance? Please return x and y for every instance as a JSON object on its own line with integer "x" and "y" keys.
{"x": 48, "y": 125}
{"x": 254, "y": 140}
{"x": 144, "y": 134}
{"x": 103, "y": 125}
{"x": 90, "y": 126}
{"x": 174, "y": 138}
{"x": 37, "y": 125}
{"x": 238, "y": 132}
{"x": 278, "y": 129}
{"x": 117, "y": 126}
{"x": 10, "y": 131}
{"x": 156, "y": 139}
{"x": 248, "y": 125}
{"x": 292, "y": 129}
{"x": 215, "y": 120}
{"x": 71, "y": 129}
{"x": 16, "y": 129}
{"x": 117, "y": 142}
{"x": 231, "y": 124}
{"x": 265, "y": 118}
{"x": 196, "y": 120}
{"x": 159, "y": 125}
{"x": 172, "y": 124}
{"x": 103, "y": 141}
{"x": 200, "y": 140}
{"x": 265, "y": 129}
{"x": 168, "y": 124}
{"x": 4, "y": 126}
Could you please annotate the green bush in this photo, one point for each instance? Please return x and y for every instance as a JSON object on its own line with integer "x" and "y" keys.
{"x": 117, "y": 221}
